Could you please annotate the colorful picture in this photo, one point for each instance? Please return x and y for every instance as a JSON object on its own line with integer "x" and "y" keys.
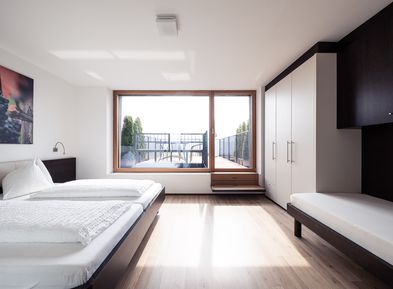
{"x": 16, "y": 107}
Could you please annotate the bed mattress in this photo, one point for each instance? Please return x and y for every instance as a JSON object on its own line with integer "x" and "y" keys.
{"x": 144, "y": 200}
{"x": 64, "y": 265}
{"x": 363, "y": 219}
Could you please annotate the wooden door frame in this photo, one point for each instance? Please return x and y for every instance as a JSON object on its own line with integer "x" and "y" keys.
{"x": 253, "y": 123}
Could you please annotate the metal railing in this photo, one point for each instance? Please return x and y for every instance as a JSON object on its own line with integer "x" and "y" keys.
{"x": 185, "y": 149}
{"x": 182, "y": 149}
{"x": 235, "y": 148}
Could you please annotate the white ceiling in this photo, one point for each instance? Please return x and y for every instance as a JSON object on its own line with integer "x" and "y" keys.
{"x": 222, "y": 44}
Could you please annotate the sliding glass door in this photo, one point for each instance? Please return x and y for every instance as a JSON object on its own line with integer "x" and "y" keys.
{"x": 233, "y": 134}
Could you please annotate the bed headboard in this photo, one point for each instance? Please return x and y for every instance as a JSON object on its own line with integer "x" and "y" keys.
{"x": 61, "y": 170}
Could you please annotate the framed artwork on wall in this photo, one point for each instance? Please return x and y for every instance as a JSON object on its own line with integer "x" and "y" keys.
{"x": 16, "y": 107}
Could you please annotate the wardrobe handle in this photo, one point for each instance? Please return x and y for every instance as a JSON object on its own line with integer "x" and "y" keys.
{"x": 288, "y": 160}
{"x": 273, "y": 150}
{"x": 292, "y": 143}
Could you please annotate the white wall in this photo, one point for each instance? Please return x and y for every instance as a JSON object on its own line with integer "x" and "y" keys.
{"x": 94, "y": 158}
{"x": 54, "y": 114}
{"x": 93, "y": 132}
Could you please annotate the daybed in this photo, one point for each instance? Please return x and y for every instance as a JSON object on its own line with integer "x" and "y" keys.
{"x": 358, "y": 225}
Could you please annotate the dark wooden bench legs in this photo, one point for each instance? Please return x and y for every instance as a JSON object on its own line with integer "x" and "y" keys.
{"x": 297, "y": 228}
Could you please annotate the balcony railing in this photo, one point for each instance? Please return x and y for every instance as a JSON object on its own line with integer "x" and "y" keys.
{"x": 235, "y": 148}
{"x": 184, "y": 150}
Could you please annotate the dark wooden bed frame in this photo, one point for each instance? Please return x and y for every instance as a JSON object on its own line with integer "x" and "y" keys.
{"x": 363, "y": 257}
{"x": 114, "y": 266}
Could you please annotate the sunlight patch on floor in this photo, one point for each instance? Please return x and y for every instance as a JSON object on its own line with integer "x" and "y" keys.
{"x": 237, "y": 242}
{"x": 186, "y": 227}
{"x": 220, "y": 236}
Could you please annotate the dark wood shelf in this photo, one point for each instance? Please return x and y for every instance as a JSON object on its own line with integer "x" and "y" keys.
{"x": 240, "y": 188}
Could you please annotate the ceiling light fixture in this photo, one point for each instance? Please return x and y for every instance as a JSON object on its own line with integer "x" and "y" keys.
{"x": 94, "y": 75}
{"x": 167, "y": 25}
{"x": 82, "y": 54}
{"x": 176, "y": 76}
{"x": 150, "y": 55}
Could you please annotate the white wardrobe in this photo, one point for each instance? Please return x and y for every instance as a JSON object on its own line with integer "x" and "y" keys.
{"x": 304, "y": 151}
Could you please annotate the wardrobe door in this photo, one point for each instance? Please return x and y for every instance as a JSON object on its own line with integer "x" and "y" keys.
{"x": 270, "y": 143}
{"x": 283, "y": 180}
{"x": 303, "y": 151}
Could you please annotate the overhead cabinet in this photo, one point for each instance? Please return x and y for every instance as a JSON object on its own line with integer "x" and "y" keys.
{"x": 365, "y": 77}
{"x": 304, "y": 151}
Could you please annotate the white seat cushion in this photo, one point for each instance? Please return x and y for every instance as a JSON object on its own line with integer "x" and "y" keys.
{"x": 363, "y": 219}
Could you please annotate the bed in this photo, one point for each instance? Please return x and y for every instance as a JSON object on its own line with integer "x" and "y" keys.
{"x": 359, "y": 225}
{"x": 100, "y": 264}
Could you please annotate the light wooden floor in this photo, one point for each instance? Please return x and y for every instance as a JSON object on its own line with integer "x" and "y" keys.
{"x": 220, "y": 242}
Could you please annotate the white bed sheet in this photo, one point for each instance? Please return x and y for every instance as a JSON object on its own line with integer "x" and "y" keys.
{"x": 144, "y": 200}
{"x": 26, "y": 266}
{"x": 363, "y": 219}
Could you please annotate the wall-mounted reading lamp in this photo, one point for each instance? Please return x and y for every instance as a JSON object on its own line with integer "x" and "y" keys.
{"x": 55, "y": 149}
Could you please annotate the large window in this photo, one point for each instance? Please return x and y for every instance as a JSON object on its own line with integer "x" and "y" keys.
{"x": 164, "y": 131}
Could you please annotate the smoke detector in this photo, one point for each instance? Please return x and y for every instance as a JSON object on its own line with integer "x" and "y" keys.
{"x": 167, "y": 25}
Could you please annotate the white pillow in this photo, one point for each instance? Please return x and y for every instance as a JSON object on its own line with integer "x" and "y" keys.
{"x": 44, "y": 170}
{"x": 24, "y": 181}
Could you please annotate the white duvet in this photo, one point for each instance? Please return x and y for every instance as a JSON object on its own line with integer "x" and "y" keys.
{"x": 97, "y": 188}
{"x": 57, "y": 221}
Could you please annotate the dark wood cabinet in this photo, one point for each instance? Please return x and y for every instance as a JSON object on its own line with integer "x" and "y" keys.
{"x": 365, "y": 73}
{"x": 377, "y": 159}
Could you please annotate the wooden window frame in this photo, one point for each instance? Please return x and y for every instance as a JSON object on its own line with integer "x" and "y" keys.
{"x": 211, "y": 94}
